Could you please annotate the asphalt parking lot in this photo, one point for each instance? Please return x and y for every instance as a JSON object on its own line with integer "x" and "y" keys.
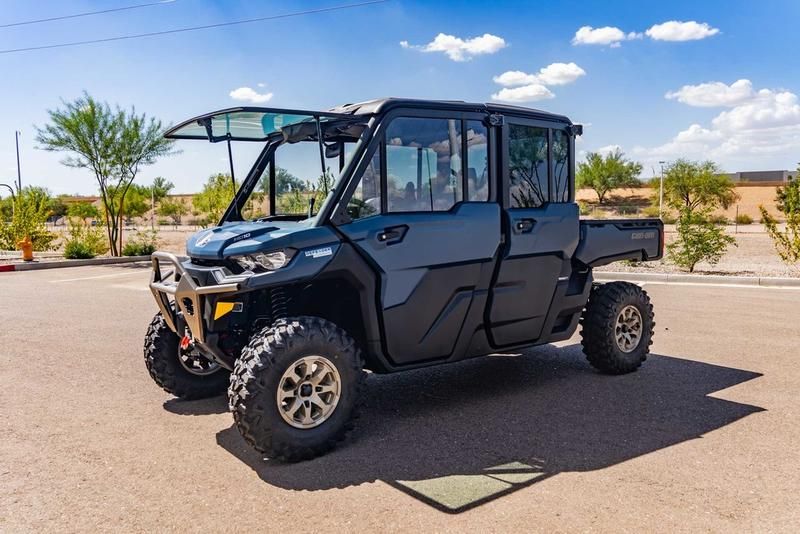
{"x": 706, "y": 436}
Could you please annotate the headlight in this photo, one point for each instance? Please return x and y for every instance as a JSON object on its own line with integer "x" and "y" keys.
{"x": 264, "y": 261}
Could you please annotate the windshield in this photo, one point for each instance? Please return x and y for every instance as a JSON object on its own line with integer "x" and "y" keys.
{"x": 244, "y": 124}
{"x": 299, "y": 179}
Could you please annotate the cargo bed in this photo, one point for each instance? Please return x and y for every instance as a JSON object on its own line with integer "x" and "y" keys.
{"x": 607, "y": 241}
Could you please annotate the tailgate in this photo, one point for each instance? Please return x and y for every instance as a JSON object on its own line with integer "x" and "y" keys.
{"x": 603, "y": 242}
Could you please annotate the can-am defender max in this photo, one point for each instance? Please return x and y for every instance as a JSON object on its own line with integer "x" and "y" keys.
{"x": 447, "y": 231}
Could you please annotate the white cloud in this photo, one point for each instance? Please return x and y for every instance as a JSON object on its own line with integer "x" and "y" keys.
{"x": 608, "y": 149}
{"x": 525, "y": 93}
{"x": 248, "y": 94}
{"x": 697, "y": 134}
{"x": 459, "y": 49}
{"x": 553, "y": 74}
{"x": 513, "y": 78}
{"x": 759, "y": 124}
{"x": 769, "y": 109}
{"x": 523, "y": 87}
{"x": 714, "y": 94}
{"x": 607, "y": 35}
{"x": 560, "y": 73}
{"x": 675, "y": 30}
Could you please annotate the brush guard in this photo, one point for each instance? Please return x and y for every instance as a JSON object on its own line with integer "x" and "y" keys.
{"x": 176, "y": 284}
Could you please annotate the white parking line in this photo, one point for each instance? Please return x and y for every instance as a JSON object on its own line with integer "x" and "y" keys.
{"x": 97, "y": 277}
{"x": 709, "y": 284}
{"x": 137, "y": 287}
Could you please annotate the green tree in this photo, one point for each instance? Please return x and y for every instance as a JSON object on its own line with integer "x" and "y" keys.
{"x": 215, "y": 197}
{"x": 32, "y": 208}
{"x": 6, "y": 208}
{"x": 786, "y": 241}
{"x": 699, "y": 239}
{"x": 113, "y": 144}
{"x": 605, "y": 173}
{"x": 83, "y": 210}
{"x": 160, "y": 188}
{"x": 172, "y": 208}
{"x": 136, "y": 204}
{"x": 697, "y": 184}
{"x": 321, "y": 189}
{"x": 58, "y": 208}
{"x": 284, "y": 182}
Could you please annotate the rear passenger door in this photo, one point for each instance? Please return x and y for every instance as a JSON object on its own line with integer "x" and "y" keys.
{"x": 423, "y": 216}
{"x": 541, "y": 227}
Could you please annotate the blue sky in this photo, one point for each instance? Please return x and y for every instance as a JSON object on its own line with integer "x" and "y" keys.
{"x": 617, "y": 88}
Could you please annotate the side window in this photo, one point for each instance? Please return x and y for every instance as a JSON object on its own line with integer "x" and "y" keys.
{"x": 561, "y": 178}
{"x": 423, "y": 164}
{"x": 477, "y": 161}
{"x": 366, "y": 199}
{"x": 527, "y": 166}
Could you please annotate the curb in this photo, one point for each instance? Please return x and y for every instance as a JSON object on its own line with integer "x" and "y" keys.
{"x": 12, "y": 267}
{"x": 751, "y": 281}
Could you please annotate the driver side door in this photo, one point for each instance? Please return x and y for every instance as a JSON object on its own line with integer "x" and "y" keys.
{"x": 430, "y": 233}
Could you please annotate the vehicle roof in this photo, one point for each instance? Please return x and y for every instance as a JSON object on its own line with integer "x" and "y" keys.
{"x": 369, "y": 107}
{"x": 381, "y": 105}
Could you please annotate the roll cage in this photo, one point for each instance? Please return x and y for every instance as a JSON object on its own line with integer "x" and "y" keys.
{"x": 354, "y": 122}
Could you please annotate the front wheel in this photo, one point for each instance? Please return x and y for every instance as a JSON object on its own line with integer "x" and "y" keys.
{"x": 295, "y": 388}
{"x": 183, "y": 373}
{"x": 617, "y": 327}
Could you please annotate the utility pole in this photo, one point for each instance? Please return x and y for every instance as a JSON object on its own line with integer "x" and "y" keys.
{"x": 152, "y": 207}
{"x": 19, "y": 174}
{"x": 661, "y": 191}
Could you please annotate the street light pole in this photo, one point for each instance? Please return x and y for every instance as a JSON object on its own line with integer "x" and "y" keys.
{"x": 19, "y": 174}
{"x": 661, "y": 191}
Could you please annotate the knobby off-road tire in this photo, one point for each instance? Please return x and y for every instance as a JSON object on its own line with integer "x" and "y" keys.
{"x": 611, "y": 339}
{"x": 271, "y": 361}
{"x": 161, "y": 359}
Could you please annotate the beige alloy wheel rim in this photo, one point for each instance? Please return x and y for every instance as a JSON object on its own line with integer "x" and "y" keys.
{"x": 308, "y": 392}
{"x": 628, "y": 330}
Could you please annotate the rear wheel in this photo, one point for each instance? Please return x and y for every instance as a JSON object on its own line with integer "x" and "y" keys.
{"x": 294, "y": 391}
{"x": 184, "y": 373}
{"x": 617, "y": 327}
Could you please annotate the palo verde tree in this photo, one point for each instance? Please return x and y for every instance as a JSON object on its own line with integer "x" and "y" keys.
{"x": 605, "y": 173}
{"x": 696, "y": 189}
{"x": 787, "y": 240}
{"x": 217, "y": 193}
{"x": 112, "y": 143}
{"x": 697, "y": 185}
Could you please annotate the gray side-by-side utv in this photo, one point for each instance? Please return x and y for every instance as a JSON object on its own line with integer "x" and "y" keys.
{"x": 386, "y": 235}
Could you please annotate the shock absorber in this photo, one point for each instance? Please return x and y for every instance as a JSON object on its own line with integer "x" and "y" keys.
{"x": 278, "y": 300}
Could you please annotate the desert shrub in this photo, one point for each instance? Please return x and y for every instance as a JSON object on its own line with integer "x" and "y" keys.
{"x": 717, "y": 219}
{"x": 786, "y": 241}
{"x": 669, "y": 218}
{"x": 651, "y": 211}
{"x": 699, "y": 239}
{"x": 31, "y": 208}
{"x": 627, "y": 210}
{"x": 78, "y": 250}
{"x": 143, "y": 243}
{"x": 744, "y": 218}
{"x": 85, "y": 242}
{"x": 584, "y": 207}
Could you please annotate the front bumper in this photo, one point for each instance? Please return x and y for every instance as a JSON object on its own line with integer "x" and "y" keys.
{"x": 188, "y": 295}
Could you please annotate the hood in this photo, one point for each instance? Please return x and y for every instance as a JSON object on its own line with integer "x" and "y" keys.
{"x": 237, "y": 238}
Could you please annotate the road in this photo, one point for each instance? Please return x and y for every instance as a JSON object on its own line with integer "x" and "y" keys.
{"x": 704, "y": 437}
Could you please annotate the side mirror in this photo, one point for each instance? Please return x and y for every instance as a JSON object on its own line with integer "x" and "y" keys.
{"x": 333, "y": 151}
{"x": 575, "y": 129}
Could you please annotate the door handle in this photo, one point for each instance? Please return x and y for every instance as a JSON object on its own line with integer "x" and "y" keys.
{"x": 523, "y": 226}
{"x": 392, "y": 235}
